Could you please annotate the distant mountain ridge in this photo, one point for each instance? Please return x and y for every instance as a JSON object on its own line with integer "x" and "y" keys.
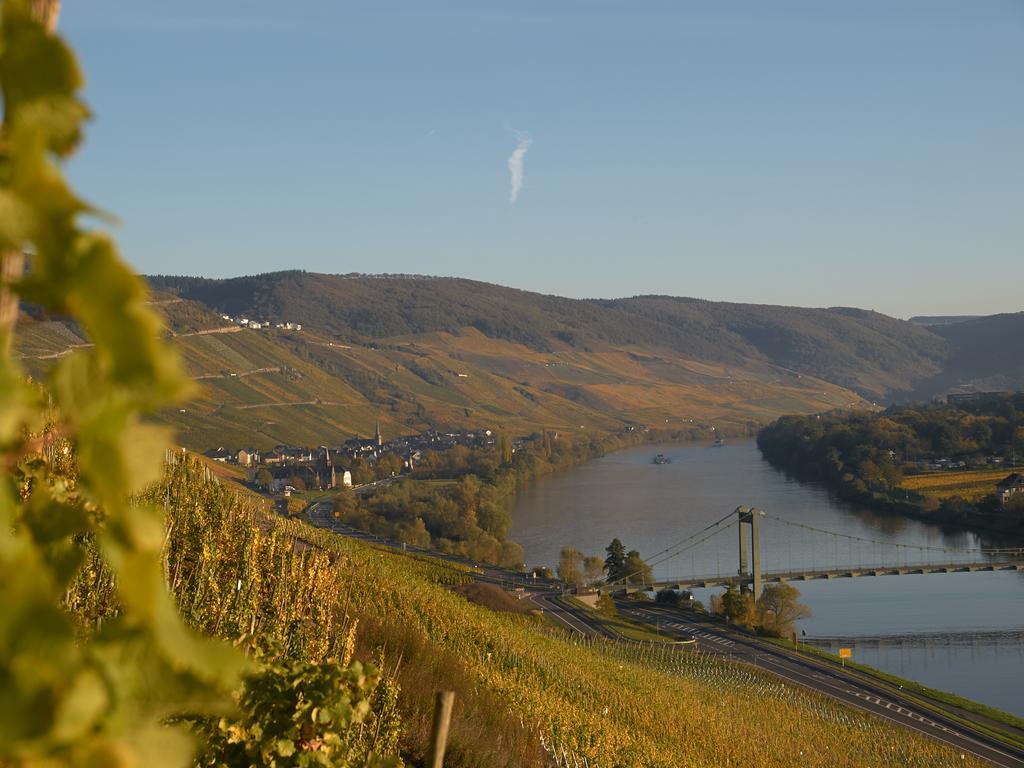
{"x": 986, "y": 354}
{"x": 867, "y": 352}
{"x": 930, "y": 320}
{"x": 419, "y": 352}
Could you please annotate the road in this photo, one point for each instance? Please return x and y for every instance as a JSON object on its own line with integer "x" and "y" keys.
{"x": 851, "y": 688}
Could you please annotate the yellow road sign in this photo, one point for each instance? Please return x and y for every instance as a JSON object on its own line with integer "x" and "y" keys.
{"x": 845, "y": 653}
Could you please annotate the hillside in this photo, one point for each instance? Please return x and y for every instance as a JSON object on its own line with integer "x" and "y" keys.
{"x": 416, "y": 353}
{"x": 275, "y": 385}
{"x": 930, "y": 320}
{"x": 865, "y": 351}
{"x": 986, "y": 354}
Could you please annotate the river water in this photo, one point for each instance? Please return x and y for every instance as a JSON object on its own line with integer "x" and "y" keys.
{"x": 920, "y": 627}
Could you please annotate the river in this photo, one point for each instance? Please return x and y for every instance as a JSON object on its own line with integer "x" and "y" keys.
{"x": 919, "y": 627}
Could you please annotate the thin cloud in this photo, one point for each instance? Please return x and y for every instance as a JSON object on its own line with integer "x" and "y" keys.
{"x": 515, "y": 165}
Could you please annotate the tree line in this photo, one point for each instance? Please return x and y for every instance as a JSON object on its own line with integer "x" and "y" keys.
{"x": 774, "y": 614}
{"x": 864, "y": 457}
{"x": 456, "y": 501}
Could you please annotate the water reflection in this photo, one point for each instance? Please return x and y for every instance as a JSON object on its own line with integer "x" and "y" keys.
{"x": 649, "y": 507}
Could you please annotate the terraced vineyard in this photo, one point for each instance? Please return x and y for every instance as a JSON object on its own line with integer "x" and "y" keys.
{"x": 523, "y": 685}
{"x": 280, "y": 386}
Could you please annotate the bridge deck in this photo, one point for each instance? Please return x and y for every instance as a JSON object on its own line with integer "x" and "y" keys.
{"x": 775, "y": 577}
{"x": 1014, "y": 636}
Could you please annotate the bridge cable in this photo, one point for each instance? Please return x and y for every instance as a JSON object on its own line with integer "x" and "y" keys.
{"x": 669, "y": 548}
{"x": 695, "y": 544}
{"x": 663, "y": 556}
{"x": 981, "y": 550}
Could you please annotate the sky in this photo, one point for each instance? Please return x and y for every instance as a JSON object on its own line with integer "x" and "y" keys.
{"x": 814, "y": 153}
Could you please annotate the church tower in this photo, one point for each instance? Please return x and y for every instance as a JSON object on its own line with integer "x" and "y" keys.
{"x": 380, "y": 439}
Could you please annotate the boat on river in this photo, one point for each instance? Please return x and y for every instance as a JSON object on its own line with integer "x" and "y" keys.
{"x": 661, "y": 458}
{"x": 719, "y": 442}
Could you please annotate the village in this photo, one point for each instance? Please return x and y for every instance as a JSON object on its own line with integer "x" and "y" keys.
{"x": 356, "y": 462}
{"x": 256, "y": 325}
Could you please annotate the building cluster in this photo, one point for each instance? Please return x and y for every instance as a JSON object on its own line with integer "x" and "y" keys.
{"x": 1010, "y": 489}
{"x": 956, "y": 465}
{"x": 256, "y": 325}
{"x": 973, "y": 398}
{"x": 277, "y": 469}
{"x": 331, "y": 467}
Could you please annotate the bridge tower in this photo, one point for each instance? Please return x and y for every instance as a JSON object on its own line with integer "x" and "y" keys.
{"x": 750, "y": 516}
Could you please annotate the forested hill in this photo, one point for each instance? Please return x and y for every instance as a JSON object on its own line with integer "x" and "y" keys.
{"x": 867, "y": 352}
{"x": 987, "y": 352}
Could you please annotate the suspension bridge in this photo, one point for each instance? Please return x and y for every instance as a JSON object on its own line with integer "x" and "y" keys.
{"x": 864, "y": 557}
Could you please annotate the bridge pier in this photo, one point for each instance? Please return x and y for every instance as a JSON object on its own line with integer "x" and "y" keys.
{"x": 750, "y": 516}
{"x": 743, "y": 572}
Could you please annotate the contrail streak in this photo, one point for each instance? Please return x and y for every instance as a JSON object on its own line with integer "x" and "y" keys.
{"x": 515, "y": 165}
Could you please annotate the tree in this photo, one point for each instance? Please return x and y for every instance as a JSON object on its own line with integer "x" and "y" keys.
{"x": 615, "y": 562}
{"x": 667, "y": 597}
{"x": 495, "y": 519}
{"x": 715, "y": 605}
{"x": 415, "y": 533}
{"x": 778, "y": 609}
{"x": 635, "y": 570}
{"x": 569, "y": 562}
{"x": 593, "y": 567}
{"x": 264, "y": 478}
{"x": 738, "y": 607}
{"x": 389, "y": 464}
{"x": 606, "y": 605}
{"x": 345, "y": 503}
{"x": 362, "y": 472}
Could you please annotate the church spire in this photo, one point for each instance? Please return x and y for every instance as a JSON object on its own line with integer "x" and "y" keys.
{"x": 380, "y": 439}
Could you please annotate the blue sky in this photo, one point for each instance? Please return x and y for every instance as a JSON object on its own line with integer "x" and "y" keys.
{"x": 813, "y": 153}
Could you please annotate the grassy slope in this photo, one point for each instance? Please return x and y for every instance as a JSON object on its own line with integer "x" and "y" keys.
{"x": 270, "y": 386}
{"x": 864, "y": 350}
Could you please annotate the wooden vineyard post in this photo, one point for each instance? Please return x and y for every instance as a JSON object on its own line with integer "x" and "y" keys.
{"x": 439, "y": 733}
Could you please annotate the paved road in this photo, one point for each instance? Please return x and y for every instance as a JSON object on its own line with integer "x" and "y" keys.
{"x": 852, "y": 689}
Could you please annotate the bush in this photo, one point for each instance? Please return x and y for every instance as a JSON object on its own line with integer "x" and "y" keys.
{"x": 606, "y": 605}
{"x": 296, "y": 713}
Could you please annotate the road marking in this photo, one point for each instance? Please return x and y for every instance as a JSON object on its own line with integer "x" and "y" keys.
{"x": 869, "y": 698}
{"x": 894, "y": 707}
